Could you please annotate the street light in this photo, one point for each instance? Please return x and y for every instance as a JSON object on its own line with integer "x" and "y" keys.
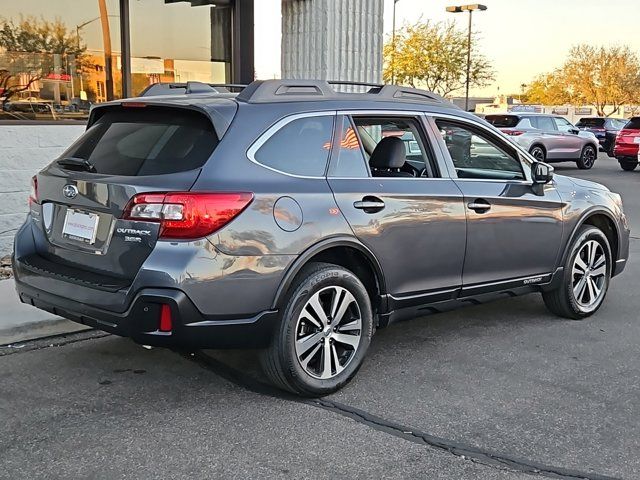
{"x": 393, "y": 44}
{"x": 470, "y": 9}
{"x": 78, "y": 28}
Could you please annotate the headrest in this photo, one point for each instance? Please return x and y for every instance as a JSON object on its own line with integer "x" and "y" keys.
{"x": 389, "y": 153}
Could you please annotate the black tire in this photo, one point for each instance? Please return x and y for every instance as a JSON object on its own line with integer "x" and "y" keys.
{"x": 562, "y": 301}
{"x": 587, "y": 158}
{"x": 538, "y": 152}
{"x": 628, "y": 166}
{"x": 280, "y": 360}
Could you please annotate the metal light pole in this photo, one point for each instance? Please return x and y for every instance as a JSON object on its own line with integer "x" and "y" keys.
{"x": 393, "y": 44}
{"x": 470, "y": 9}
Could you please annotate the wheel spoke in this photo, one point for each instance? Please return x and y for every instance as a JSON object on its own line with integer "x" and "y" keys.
{"x": 592, "y": 252}
{"x": 579, "y": 289}
{"x": 579, "y": 266}
{"x": 308, "y": 358}
{"x": 344, "y": 302}
{"x": 305, "y": 343}
{"x": 352, "y": 340}
{"x": 316, "y": 307}
{"x": 326, "y": 361}
{"x": 336, "y": 360}
{"x": 599, "y": 271}
{"x": 594, "y": 288}
{"x": 592, "y": 291}
{"x": 353, "y": 325}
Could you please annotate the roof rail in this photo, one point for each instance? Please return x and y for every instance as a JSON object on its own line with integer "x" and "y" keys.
{"x": 262, "y": 91}
{"x": 169, "y": 88}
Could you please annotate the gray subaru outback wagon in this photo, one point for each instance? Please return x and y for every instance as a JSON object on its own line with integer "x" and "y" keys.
{"x": 298, "y": 219}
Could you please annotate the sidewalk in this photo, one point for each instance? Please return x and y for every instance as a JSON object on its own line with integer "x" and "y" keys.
{"x": 20, "y": 322}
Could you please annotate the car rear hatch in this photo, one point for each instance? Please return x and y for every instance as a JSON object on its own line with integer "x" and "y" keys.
{"x": 506, "y": 124}
{"x": 630, "y": 134}
{"x": 593, "y": 125}
{"x": 82, "y": 197}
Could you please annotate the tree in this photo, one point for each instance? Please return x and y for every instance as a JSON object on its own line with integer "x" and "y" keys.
{"x": 434, "y": 56}
{"x": 548, "y": 89}
{"x": 602, "y": 76}
{"x": 597, "y": 76}
{"x": 28, "y": 51}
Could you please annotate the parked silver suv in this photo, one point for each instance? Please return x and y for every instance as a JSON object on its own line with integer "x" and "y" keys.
{"x": 549, "y": 138}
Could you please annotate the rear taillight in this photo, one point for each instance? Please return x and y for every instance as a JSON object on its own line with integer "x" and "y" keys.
{"x": 33, "y": 193}
{"x": 513, "y": 133}
{"x": 187, "y": 215}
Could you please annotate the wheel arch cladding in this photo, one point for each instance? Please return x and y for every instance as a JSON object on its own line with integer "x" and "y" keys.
{"x": 603, "y": 222}
{"x": 347, "y": 254}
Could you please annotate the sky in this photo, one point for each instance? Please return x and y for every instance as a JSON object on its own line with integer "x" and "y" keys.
{"x": 522, "y": 38}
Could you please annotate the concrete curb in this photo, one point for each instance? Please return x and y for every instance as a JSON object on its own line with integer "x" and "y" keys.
{"x": 20, "y": 322}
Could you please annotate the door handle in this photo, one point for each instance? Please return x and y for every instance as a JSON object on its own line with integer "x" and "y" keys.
{"x": 369, "y": 204}
{"x": 479, "y": 206}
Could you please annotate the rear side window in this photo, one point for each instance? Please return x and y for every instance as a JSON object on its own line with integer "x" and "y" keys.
{"x": 301, "y": 147}
{"x": 503, "y": 121}
{"x": 634, "y": 124}
{"x": 349, "y": 159}
{"x": 149, "y": 141}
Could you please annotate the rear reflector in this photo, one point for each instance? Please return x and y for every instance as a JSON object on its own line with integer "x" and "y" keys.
{"x": 187, "y": 215}
{"x": 166, "y": 322}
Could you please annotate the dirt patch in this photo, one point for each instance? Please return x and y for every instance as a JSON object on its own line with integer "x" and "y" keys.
{"x": 5, "y": 267}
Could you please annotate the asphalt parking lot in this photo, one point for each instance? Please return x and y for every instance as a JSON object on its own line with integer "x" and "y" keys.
{"x": 503, "y": 390}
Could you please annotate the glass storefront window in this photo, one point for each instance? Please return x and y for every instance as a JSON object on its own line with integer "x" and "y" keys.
{"x": 58, "y": 57}
{"x": 173, "y": 42}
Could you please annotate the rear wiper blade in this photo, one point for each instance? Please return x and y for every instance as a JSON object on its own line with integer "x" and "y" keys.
{"x": 77, "y": 163}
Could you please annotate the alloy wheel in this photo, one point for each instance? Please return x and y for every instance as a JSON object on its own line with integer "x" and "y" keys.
{"x": 538, "y": 154}
{"x": 589, "y": 275}
{"x": 588, "y": 157}
{"x": 328, "y": 332}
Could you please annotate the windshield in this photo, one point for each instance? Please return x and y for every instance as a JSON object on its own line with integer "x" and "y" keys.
{"x": 590, "y": 122}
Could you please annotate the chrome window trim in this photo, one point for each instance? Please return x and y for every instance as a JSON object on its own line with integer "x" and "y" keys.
{"x": 495, "y": 131}
{"x": 264, "y": 137}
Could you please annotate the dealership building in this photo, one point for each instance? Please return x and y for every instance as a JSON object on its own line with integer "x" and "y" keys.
{"x": 112, "y": 49}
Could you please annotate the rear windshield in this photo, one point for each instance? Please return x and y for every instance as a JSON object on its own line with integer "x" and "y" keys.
{"x": 634, "y": 124}
{"x": 146, "y": 141}
{"x": 590, "y": 122}
{"x": 503, "y": 121}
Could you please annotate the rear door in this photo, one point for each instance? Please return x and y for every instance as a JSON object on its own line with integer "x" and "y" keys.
{"x": 125, "y": 152}
{"x": 415, "y": 225}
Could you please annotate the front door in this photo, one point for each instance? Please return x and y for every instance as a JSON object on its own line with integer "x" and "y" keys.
{"x": 412, "y": 218}
{"x": 513, "y": 228}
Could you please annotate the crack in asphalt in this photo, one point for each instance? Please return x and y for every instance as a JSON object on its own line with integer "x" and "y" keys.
{"x": 465, "y": 451}
{"x": 469, "y": 452}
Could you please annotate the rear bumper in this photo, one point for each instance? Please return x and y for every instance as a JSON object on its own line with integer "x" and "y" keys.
{"x": 626, "y": 150}
{"x": 140, "y": 321}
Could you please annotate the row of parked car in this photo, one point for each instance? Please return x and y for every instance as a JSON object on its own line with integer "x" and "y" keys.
{"x": 552, "y": 138}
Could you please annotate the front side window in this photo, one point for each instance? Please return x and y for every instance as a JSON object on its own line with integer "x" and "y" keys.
{"x": 301, "y": 147}
{"x": 563, "y": 125}
{"x": 476, "y": 154}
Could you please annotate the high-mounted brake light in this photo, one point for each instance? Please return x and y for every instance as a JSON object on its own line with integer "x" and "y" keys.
{"x": 187, "y": 215}
{"x": 33, "y": 193}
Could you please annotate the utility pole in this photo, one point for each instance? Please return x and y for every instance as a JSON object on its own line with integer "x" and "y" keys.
{"x": 467, "y": 8}
{"x": 393, "y": 44}
{"x": 106, "y": 42}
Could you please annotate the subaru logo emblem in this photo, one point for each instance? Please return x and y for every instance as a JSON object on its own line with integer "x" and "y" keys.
{"x": 70, "y": 191}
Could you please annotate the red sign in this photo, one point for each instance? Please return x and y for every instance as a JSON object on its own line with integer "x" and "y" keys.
{"x": 59, "y": 76}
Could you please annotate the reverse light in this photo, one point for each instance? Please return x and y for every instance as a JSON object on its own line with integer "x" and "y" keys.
{"x": 33, "y": 193}
{"x": 187, "y": 215}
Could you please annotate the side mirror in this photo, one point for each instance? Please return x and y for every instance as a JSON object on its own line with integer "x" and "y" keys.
{"x": 575, "y": 131}
{"x": 541, "y": 173}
